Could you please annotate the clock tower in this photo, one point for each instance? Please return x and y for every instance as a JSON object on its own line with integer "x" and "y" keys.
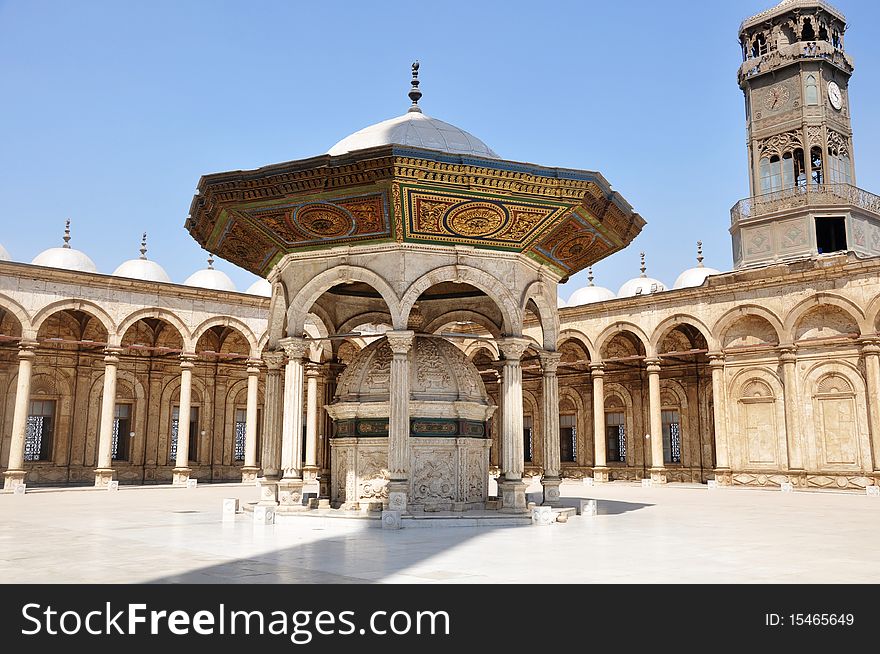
{"x": 804, "y": 199}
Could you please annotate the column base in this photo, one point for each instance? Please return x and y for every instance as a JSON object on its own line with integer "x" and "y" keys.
{"x": 658, "y": 475}
{"x": 179, "y": 476}
{"x": 397, "y": 495}
{"x": 310, "y": 480}
{"x": 723, "y": 476}
{"x": 290, "y": 492}
{"x": 103, "y": 477}
{"x": 601, "y": 475}
{"x": 551, "y": 491}
{"x": 513, "y": 496}
{"x": 249, "y": 474}
{"x": 268, "y": 491}
{"x": 13, "y": 478}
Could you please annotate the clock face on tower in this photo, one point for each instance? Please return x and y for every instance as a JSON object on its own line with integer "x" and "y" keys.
{"x": 835, "y": 97}
{"x": 776, "y": 97}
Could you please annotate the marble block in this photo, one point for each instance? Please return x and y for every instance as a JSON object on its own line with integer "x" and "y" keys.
{"x": 391, "y": 520}
{"x": 19, "y": 489}
{"x": 711, "y": 484}
{"x": 192, "y": 483}
{"x": 543, "y": 516}
{"x": 872, "y": 490}
{"x": 264, "y": 515}
{"x": 588, "y": 507}
{"x": 646, "y": 482}
{"x": 786, "y": 487}
{"x": 588, "y": 481}
{"x": 113, "y": 485}
{"x": 230, "y": 506}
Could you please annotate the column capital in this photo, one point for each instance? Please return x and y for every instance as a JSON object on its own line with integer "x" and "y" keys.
{"x": 313, "y": 369}
{"x": 512, "y": 347}
{"x": 187, "y": 360}
{"x": 549, "y": 362}
{"x": 274, "y": 360}
{"x": 26, "y": 349}
{"x": 294, "y": 347}
{"x": 869, "y": 345}
{"x": 111, "y": 355}
{"x": 253, "y": 367}
{"x": 716, "y": 359}
{"x": 787, "y": 353}
{"x": 597, "y": 369}
{"x": 653, "y": 365}
{"x": 400, "y": 341}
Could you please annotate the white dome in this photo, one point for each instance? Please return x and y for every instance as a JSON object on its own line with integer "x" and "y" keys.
{"x": 694, "y": 277}
{"x": 641, "y": 286}
{"x": 590, "y": 294}
{"x": 417, "y": 130}
{"x": 210, "y": 278}
{"x": 260, "y": 287}
{"x": 560, "y": 303}
{"x": 4, "y": 254}
{"x": 144, "y": 269}
{"x": 66, "y": 258}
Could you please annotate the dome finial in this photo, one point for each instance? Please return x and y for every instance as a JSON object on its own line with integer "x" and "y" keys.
{"x": 210, "y": 261}
{"x": 414, "y": 93}
{"x": 699, "y": 254}
{"x": 590, "y": 275}
{"x": 67, "y": 234}
{"x": 144, "y": 246}
{"x": 643, "y": 268}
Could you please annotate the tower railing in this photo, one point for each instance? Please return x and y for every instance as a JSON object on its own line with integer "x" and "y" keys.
{"x": 801, "y": 196}
{"x": 795, "y": 52}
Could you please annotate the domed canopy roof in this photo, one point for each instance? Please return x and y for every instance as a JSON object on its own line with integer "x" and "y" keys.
{"x": 417, "y": 130}
{"x": 642, "y": 285}
{"x": 4, "y": 254}
{"x": 210, "y": 278}
{"x": 590, "y": 293}
{"x": 142, "y": 268}
{"x": 697, "y": 275}
{"x": 65, "y": 257}
{"x": 260, "y": 287}
{"x": 439, "y": 372}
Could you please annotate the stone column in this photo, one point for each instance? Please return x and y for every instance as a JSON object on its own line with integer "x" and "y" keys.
{"x": 511, "y": 486}
{"x": 401, "y": 343}
{"x": 551, "y": 478}
{"x": 331, "y": 373}
{"x": 658, "y": 473}
{"x": 871, "y": 352}
{"x": 788, "y": 360}
{"x": 104, "y": 471}
{"x": 270, "y": 458}
{"x": 15, "y": 473}
{"x": 719, "y": 415}
{"x": 600, "y": 456}
{"x": 181, "y": 471}
{"x": 310, "y": 470}
{"x": 291, "y": 484}
{"x": 249, "y": 470}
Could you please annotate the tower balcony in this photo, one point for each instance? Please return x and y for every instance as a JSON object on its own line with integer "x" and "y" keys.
{"x": 805, "y": 221}
{"x": 794, "y": 52}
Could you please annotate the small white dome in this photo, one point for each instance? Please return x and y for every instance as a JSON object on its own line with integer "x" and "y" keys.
{"x": 589, "y": 295}
{"x": 210, "y": 278}
{"x": 694, "y": 277}
{"x": 641, "y": 286}
{"x": 260, "y": 287}
{"x": 560, "y": 303}
{"x": 144, "y": 269}
{"x": 417, "y": 130}
{"x": 4, "y": 254}
{"x": 66, "y": 258}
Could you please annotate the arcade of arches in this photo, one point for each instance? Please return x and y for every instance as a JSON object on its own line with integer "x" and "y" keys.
{"x": 757, "y": 377}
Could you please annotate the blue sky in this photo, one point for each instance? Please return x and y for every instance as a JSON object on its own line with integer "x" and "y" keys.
{"x": 111, "y": 111}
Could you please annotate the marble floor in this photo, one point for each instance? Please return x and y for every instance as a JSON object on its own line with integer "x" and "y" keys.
{"x": 669, "y": 534}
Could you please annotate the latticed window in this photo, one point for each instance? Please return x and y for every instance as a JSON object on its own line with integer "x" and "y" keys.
{"x": 568, "y": 437}
{"x": 811, "y": 91}
{"x": 527, "y": 438}
{"x": 193, "y": 433}
{"x": 671, "y": 436}
{"x": 615, "y": 436}
{"x": 121, "y": 432}
{"x": 240, "y": 429}
{"x": 40, "y": 427}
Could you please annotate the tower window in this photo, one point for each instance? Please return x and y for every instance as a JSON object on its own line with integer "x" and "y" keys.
{"x": 811, "y": 91}
{"x": 830, "y": 234}
{"x": 40, "y": 427}
{"x": 808, "y": 33}
{"x": 816, "y": 165}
